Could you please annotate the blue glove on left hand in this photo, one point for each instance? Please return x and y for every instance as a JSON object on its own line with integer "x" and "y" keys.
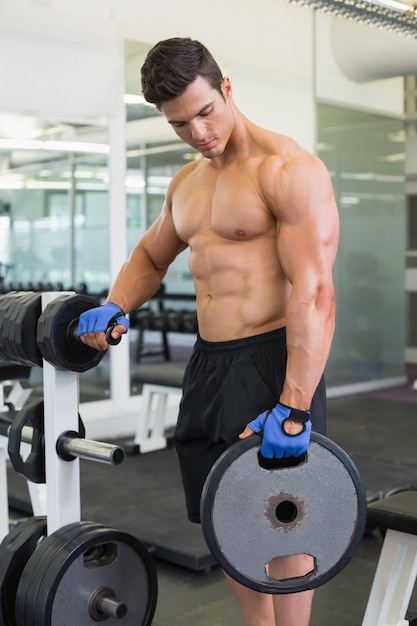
{"x": 276, "y": 443}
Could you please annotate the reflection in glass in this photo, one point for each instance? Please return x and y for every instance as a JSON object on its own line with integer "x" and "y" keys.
{"x": 365, "y": 155}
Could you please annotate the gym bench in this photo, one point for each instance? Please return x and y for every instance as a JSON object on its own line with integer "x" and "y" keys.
{"x": 153, "y": 420}
{"x": 396, "y": 571}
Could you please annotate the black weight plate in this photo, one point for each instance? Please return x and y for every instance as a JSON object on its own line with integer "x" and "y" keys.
{"x": 25, "y": 329}
{"x": 54, "y": 341}
{"x": 8, "y": 325}
{"x": 129, "y": 573}
{"x": 77, "y": 561}
{"x": 8, "y": 303}
{"x": 44, "y": 327}
{"x": 241, "y": 514}
{"x": 12, "y": 318}
{"x": 43, "y": 331}
{"x": 31, "y": 578}
{"x": 32, "y": 466}
{"x": 3, "y": 304}
{"x": 15, "y": 550}
{"x": 16, "y": 347}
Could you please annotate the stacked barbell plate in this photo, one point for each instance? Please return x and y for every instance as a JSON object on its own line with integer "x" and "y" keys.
{"x": 60, "y": 580}
{"x": 15, "y": 550}
{"x": 56, "y": 344}
{"x": 19, "y": 313}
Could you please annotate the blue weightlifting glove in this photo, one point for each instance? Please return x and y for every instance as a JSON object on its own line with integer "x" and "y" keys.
{"x": 101, "y": 318}
{"x": 276, "y": 443}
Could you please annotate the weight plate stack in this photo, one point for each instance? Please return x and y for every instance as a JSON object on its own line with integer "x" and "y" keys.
{"x": 15, "y": 550}
{"x": 84, "y": 573}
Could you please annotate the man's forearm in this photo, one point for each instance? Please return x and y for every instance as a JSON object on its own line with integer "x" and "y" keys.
{"x": 137, "y": 281}
{"x": 310, "y": 330}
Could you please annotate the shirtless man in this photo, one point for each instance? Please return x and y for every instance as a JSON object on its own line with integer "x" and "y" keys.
{"x": 259, "y": 217}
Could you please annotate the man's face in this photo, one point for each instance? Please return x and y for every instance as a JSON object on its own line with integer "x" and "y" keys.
{"x": 201, "y": 117}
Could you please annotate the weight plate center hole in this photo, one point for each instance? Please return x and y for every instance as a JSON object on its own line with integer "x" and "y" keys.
{"x": 286, "y": 512}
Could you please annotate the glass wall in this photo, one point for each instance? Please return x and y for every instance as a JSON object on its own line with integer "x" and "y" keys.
{"x": 154, "y": 166}
{"x": 54, "y": 225}
{"x": 54, "y": 233}
{"x": 365, "y": 155}
{"x": 54, "y": 216}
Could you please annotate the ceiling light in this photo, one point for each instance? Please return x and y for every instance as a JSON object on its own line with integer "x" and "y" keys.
{"x": 390, "y": 15}
{"x": 11, "y": 183}
{"x": 56, "y": 146}
{"x": 76, "y": 146}
{"x": 45, "y": 184}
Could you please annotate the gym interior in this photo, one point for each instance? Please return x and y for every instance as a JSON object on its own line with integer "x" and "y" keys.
{"x": 84, "y": 167}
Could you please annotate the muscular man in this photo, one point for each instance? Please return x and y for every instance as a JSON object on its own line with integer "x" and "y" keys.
{"x": 259, "y": 217}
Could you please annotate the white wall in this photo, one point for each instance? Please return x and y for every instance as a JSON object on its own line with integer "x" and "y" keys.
{"x": 57, "y": 66}
{"x": 266, "y": 47}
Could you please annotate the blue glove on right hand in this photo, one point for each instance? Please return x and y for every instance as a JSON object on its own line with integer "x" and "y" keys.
{"x": 276, "y": 443}
{"x": 101, "y": 318}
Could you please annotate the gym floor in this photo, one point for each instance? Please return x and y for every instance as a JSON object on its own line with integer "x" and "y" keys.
{"x": 143, "y": 496}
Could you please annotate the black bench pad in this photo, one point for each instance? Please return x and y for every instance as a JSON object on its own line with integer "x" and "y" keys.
{"x": 397, "y": 512}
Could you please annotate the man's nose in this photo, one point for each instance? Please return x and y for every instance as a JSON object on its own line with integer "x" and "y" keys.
{"x": 198, "y": 130}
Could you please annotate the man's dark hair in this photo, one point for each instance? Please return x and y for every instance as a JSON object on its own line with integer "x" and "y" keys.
{"x": 175, "y": 63}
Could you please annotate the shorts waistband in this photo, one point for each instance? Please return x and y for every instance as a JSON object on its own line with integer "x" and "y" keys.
{"x": 238, "y": 344}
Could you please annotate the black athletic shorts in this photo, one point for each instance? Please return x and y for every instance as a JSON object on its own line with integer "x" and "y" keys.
{"x": 226, "y": 385}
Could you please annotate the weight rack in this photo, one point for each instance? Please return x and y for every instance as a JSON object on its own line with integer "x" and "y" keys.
{"x": 59, "y": 498}
{"x": 60, "y": 392}
{"x": 104, "y": 572}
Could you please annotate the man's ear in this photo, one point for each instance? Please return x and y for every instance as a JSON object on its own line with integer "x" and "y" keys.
{"x": 227, "y": 88}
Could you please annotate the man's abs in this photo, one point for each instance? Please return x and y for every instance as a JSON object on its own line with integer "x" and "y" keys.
{"x": 240, "y": 287}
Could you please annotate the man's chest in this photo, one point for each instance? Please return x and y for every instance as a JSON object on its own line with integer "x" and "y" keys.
{"x": 230, "y": 206}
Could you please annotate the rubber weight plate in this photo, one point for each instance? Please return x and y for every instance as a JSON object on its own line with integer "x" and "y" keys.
{"x": 15, "y": 550}
{"x": 19, "y": 328}
{"x": 6, "y": 302}
{"x": 25, "y": 327}
{"x": 31, "y": 466}
{"x": 31, "y": 579}
{"x": 56, "y": 344}
{"x": 7, "y": 326}
{"x": 251, "y": 515}
{"x": 85, "y": 573}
